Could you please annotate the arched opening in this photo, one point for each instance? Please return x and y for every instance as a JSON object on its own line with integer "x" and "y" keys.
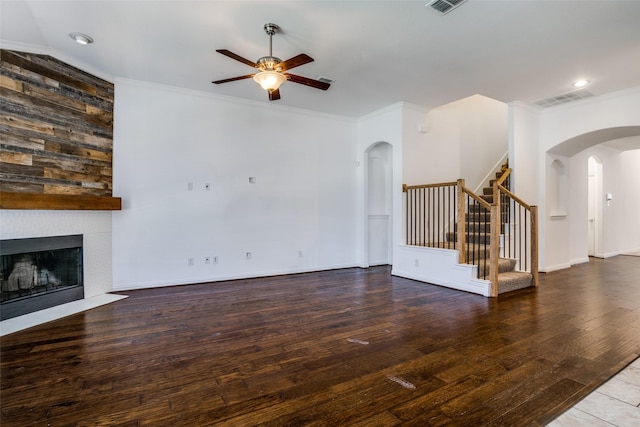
{"x": 378, "y": 204}
{"x": 593, "y": 225}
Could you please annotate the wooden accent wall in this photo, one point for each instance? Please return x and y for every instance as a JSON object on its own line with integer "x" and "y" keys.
{"x": 56, "y": 129}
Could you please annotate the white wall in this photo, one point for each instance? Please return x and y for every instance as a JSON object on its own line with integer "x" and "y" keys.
{"x": 524, "y": 157}
{"x": 559, "y": 124}
{"x": 94, "y": 226}
{"x": 380, "y": 126}
{"x": 463, "y": 139}
{"x": 303, "y": 198}
{"x": 571, "y": 133}
{"x": 620, "y": 218}
{"x": 629, "y": 199}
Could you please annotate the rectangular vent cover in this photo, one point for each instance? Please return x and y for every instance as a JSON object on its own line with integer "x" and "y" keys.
{"x": 444, "y": 6}
{"x": 575, "y": 95}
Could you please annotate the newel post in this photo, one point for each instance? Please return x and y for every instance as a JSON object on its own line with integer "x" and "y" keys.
{"x": 461, "y": 240}
{"x": 494, "y": 249}
{"x": 534, "y": 245}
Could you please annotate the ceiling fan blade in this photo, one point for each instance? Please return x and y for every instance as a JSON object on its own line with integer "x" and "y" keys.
{"x": 274, "y": 95}
{"x": 307, "y": 81}
{"x": 232, "y": 55}
{"x": 296, "y": 61}
{"x": 233, "y": 79}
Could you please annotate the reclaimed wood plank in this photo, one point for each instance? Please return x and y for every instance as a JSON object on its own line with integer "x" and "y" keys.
{"x": 15, "y": 158}
{"x": 56, "y": 123}
{"x": 10, "y": 200}
{"x": 23, "y": 61}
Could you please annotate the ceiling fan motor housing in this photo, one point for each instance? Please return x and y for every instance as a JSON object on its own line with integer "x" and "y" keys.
{"x": 269, "y": 63}
{"x": 271, "y": 29}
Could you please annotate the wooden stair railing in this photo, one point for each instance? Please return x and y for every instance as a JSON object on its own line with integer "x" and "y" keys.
{"x": 522, "y": 220}
{"x": 430, "y": 211}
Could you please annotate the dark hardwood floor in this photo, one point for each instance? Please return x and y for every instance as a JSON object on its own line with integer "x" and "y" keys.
{"x": 337, "y": 348}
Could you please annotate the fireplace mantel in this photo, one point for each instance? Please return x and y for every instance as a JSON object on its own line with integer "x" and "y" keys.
{"x": 28, "y": 201}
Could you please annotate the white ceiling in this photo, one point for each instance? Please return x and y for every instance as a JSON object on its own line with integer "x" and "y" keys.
{"x": 378, "y": 52}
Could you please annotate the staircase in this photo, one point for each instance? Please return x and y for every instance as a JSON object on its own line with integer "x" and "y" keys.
{"x": 495, "y": 231}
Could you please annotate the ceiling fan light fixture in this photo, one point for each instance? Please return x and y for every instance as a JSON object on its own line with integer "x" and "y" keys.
{"x": 269, "y": 80}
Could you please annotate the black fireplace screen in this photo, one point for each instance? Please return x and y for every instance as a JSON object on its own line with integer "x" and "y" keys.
{"x": 31, "y": 268}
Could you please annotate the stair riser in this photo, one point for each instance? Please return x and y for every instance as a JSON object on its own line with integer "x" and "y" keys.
{"x": 514, "y": 281}
{"x": 478, "y": 227}
{"x": 477, "y": 208}
{"x": 472, "y": 238}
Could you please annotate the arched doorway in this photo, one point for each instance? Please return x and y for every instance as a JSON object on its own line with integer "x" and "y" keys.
{"x": 378, "y": 204}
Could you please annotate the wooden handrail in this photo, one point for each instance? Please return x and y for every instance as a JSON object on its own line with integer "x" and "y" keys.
{"x": 504, "y": 176}
{"x": 406, "y": 187}
{"x": 480, "y": 200}
{"x": 514, "y": 197}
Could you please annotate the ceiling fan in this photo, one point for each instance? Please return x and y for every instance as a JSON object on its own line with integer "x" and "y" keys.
{"x": 272, "y": 71}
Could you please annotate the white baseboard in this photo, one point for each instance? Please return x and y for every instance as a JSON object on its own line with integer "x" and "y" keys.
{"x": 556, "y": 267}
{"x": 580, "y": 261}
{"x": 607, "y": 255}
{"x": 224, "y": 277}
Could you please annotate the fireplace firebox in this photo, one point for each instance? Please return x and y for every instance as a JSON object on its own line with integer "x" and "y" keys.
{"x": 39, "y": 273}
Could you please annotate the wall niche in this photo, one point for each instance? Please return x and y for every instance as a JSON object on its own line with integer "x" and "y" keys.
{"x": 56, "y": 124}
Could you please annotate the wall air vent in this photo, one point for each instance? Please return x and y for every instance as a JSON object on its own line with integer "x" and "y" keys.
{"x": 575, "y": 95}
{"x": 444, "y": 6}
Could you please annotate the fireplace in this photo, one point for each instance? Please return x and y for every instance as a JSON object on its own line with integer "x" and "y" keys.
{"x": 39, "y": 273}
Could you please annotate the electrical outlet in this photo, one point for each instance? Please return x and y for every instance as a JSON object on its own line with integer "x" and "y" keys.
{"x": 252, "y": 180}
{"x": 215, "y": 259}
{"x": 248, "y": 255}
{"x": 207, "y": 187}
{"x": 299, "y": 254}
{"x": 207, "y": 260}
{"x": 190, "y": 186}
{"x": 190, "y": 262}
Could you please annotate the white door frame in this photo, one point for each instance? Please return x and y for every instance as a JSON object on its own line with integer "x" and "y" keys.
{"x": 595, "y": 207}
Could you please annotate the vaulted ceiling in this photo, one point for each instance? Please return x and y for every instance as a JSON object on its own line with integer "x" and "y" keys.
{"x": 378, "y": 52}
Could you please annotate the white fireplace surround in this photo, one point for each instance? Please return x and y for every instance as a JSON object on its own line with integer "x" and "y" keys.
{"x": 95, "y": 226}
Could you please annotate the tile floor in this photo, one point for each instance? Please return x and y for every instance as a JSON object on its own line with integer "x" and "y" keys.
{"x": 615, "y": 403}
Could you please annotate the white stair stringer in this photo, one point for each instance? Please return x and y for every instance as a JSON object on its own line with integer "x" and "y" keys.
{"x": 438, "y": 267}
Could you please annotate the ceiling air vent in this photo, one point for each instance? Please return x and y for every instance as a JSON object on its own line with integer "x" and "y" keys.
{"x": 575, "y": 95}
{"x": 444, "y": 6}
{"x": 325, "y": 80}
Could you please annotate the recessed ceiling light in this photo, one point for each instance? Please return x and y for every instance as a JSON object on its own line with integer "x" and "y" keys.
{"x": 81, "y": 38}
{"x": 580, "y": 83}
